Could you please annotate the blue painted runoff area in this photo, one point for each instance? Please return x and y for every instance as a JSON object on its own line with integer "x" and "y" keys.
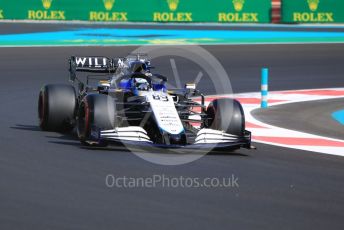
{"x": 339, "y": 116}
{"x": 105, "y": 33}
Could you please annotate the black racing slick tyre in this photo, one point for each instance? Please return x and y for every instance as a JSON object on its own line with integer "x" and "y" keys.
{"x": 96, "y": 112}
{"x": 227, "y": 115}
{"x": 56, "y": 107}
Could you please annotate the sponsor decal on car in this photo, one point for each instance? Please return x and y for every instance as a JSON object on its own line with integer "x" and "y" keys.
{"x": 90, "y": 62}
{"x": 165, "y": 113}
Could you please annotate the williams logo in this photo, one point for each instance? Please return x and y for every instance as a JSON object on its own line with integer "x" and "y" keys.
{"x": 47, "y": 4}
{"x": 108, "y": 16}
{"x": 172, "y": 16}
{"x": 313, "y": 4}
{"x": 46, "y": 14}
{"x": 313, "y": 15}
{"x": 238, "y": 4}
{"x": 108, "y": 4}
{"x": 173, "y": 4}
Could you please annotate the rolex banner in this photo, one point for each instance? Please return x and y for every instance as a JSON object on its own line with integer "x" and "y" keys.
{"x": 313, "y": 11}
{"x": 222, "y": 11}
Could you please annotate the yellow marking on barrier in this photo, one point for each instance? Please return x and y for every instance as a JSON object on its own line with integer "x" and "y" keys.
{"x": 238, "y": 17}
{"x": 313, "y": 17}
{"x": 108, "y": 4}
{"x": 172, "y": 17}
{"x": 46, "y": 15}
{"x": 108, "y": 16}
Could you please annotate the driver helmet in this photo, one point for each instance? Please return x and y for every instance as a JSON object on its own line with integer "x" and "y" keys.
{"x": 138, "y": 67}
{"x": 141, "y": 84}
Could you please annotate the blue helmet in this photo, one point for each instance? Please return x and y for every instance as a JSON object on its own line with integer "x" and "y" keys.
{"x": 138, "y": 67}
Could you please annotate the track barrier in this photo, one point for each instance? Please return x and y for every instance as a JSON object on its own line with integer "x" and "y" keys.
{"x": 215, "y": 11}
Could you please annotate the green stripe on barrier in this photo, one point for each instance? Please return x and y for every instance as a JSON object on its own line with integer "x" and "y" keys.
{"x": 224, "y": 11}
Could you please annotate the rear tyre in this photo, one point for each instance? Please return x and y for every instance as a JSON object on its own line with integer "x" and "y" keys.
{"x": 96, "y": 111}
{"x": 227, "y": 115}
{"x": 56, "y": 107}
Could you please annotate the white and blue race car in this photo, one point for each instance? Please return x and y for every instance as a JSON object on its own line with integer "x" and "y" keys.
{"x": 130, "y": 104}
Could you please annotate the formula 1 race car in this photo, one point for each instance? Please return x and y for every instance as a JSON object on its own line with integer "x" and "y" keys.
{"x": 130, "y": 104}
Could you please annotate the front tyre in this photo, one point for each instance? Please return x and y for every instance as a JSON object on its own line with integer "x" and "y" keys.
{"x": 227, "y": 115}
{"x": 56, "y": 107}
{"x": 96, "y": 111}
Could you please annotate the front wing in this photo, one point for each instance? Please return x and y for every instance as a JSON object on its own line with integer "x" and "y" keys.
{"x": 205, "y": 139}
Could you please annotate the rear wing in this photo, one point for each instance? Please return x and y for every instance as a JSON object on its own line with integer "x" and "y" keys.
{"x": 90, "y": 64}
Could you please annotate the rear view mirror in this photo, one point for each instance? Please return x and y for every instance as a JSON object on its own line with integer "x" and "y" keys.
{"x": 190, "y": 86}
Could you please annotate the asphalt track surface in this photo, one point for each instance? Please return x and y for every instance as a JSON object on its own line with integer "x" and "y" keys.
{"x": 48, "y": 181}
